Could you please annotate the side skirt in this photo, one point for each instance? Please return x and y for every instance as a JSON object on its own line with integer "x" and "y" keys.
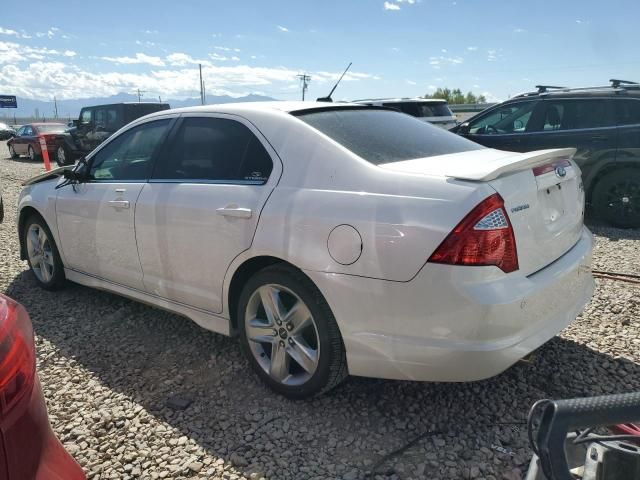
{"x": 207, "y": 320}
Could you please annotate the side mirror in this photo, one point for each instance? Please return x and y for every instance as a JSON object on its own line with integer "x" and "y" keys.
{"x": 463, "y": 129}
{"x": 75, "y": 123}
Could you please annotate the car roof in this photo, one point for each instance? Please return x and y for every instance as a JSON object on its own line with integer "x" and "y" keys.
{"x": 41, "y": 124}
{"x": 584, "y": 92}
{"x": 404, "y": 100}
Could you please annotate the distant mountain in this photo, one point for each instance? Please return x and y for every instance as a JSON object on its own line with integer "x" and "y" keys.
{"x": 27, "y": 108}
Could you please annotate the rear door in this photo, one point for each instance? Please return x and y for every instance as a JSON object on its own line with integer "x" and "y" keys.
{"x": 586, "y": 124}
{"x": 505, "y": 127}
{"x": 18, "y": 142}
{"x": 628, "y": 121}
{"x": 201, "y": 207}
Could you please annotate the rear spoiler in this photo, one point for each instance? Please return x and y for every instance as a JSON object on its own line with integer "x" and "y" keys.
{"x": 488, "y": 170}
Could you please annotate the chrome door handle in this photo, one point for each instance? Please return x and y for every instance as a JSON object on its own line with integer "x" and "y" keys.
{"x": 237, "y": 212}
{"x": 119, "y": 203}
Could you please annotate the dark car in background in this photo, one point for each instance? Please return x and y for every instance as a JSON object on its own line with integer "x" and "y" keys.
{"x": 602, "y": 123}
{"x": 6, "y": 132}
{"x": 27, "y": 139}
{"x": 97, "y": 123}
{"x": 29, "y": 448}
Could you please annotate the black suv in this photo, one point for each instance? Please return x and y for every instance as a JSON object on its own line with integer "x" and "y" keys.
{"x": 602, "y": 123}
{"x": 96, "y": 124}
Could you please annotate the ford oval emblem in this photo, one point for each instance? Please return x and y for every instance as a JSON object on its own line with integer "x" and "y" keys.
{"x": 560, "y": 171}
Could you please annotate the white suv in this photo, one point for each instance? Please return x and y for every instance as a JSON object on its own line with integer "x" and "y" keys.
{"x": 432, "y": 110}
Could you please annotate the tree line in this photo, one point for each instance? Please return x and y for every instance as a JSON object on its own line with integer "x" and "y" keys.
{"x": 456, "y": 97}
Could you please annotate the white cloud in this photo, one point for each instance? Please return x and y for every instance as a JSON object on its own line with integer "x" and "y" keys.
{"x": 8, "y": 31}
{"x": 492, "y": 55}
{"x": 472, "y": 48}
{"x": 69, "y": 53}
{"x": 519, "y": 30}
{"x": 138, "y": 59}
{"x": 151, "y": 32}
{"x": 391, "y": 6}
{"x": 411, "y": 82}
{"x": 437, "y": 62}
{"x": 31, "y": 73}
{"x": 181, "y": 59}
{"x": 283, "y": 29}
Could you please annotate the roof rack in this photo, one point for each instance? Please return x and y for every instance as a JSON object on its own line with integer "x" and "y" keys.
{"x": 615, "y": 83}
{"x": 544, "y": 88}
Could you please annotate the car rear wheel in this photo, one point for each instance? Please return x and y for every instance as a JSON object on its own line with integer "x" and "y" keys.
{"x": 616, "y": 198}
{"x": 42, "y": 254}
{"x": 12, "y": 152}
{"x": 289, "y": 334}
{"x": 33, "y": 156}
{"x": 61, "y": 156}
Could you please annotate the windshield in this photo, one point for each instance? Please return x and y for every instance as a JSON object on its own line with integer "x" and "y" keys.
{"x": 421, "y": 109}
{"x": 51, "y": 128}
{"x": 383, "y": 136}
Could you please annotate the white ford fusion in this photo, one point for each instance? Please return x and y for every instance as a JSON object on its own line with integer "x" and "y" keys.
{"x": 333, "y": 239}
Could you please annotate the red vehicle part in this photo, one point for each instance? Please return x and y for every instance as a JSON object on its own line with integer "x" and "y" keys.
{"x": 627, "y": 429}
{"x": 29, "y": 450}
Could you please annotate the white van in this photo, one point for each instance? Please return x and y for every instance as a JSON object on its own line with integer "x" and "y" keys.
{"x": 432, "y": 110}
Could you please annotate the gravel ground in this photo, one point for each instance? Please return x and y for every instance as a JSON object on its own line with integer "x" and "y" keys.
{"x": 112, "y": 368}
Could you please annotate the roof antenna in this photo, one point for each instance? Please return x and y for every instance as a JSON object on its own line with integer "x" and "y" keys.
{"x": 328, "y": 97}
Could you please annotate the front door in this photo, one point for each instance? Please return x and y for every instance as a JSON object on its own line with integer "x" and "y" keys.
{"x": 504, "y": 127}
{"x": 96, "y": 218}
{"x": 201, "y": 207}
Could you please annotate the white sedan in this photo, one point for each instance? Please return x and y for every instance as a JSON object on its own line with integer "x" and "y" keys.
{"x": 333, "y": 239}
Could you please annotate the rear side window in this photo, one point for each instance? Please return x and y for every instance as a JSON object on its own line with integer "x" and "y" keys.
{"x": 383, "y": 136}
{"x": 215, "y": 149}
{"x": 575, "y": 114}
{"x": 85, "y": 116}
{"x": 628, "y": 112}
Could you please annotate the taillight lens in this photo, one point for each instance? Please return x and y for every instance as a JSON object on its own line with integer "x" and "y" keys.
{"x": 49, "y": 139}
{"x": 17, "y": 355}
{"x": 484, "y": 237}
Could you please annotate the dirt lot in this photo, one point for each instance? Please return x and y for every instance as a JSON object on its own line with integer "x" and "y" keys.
{"x": 109, "y": 366}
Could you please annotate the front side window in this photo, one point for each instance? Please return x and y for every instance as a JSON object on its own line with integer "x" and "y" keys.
{"x": 28, "y": 131}
{"x": 383, "y": 136}
{"x": 628, "y": 112}
{"x": 512, "y": 118}
{"x": 129, "y": 156}
{"x": 215, "y": 149}
{"x": 575, "y": 114}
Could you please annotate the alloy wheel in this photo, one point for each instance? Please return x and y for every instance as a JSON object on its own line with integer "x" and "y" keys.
{"x": 40, "y": 253}
{"x": 282, "y": 334}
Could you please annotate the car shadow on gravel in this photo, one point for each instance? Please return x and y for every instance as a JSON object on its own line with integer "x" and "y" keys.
{"x": 152, "y": 356}
{"x": 612, "y": 233}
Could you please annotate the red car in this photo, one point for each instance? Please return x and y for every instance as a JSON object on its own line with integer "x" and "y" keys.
{"x": 29, "y": 450}
{"x": 27, "y": 140}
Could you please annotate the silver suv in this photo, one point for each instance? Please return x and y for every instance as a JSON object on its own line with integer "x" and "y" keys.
{"x": 432, "y": 110}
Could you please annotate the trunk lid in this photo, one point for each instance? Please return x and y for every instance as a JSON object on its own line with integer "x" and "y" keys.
{"x": 542, "y": 192}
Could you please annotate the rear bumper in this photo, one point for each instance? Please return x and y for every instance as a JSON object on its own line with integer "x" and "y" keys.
{"x": 456, "y": 323}
{"x": 31, "y": 449}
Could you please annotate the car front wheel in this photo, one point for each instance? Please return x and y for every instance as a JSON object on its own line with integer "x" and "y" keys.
{"x": 289, "y": 334}
{"x": 616, "y": 198}
{"x": 42, "y": 254}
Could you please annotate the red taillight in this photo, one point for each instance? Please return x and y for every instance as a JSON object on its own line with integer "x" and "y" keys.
{"x": 49, "y": 139}
{"x": 17, "y": 355}
{"x": 484, "y": 237}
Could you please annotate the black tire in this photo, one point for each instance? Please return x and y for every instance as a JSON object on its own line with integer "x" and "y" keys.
{"x": 12, "y": 152}
{"x": 62, "y": 156}
{"x": 57, "y": 279}
{"x": 331, "y": 364}
{"x": 616, "y": 198}
{"x": 31, "y": 153}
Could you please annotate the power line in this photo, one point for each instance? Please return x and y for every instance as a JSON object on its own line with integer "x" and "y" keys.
{"x": 305, "y": 79}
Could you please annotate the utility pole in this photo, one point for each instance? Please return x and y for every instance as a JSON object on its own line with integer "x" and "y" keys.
{"x": 140, "y": 92}
{"x": 204, "y": 93}
{"x": 305, "y": 79}
{"x": 201, "y": 86}
{"x": 55, "y": 107}
{"x": 159, "y": 99}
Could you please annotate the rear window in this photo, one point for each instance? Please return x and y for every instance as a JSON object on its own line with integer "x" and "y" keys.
{"x": 421, "y": 109}
{"x": 383, "y": 136}
{"x": 53, "y": 128}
